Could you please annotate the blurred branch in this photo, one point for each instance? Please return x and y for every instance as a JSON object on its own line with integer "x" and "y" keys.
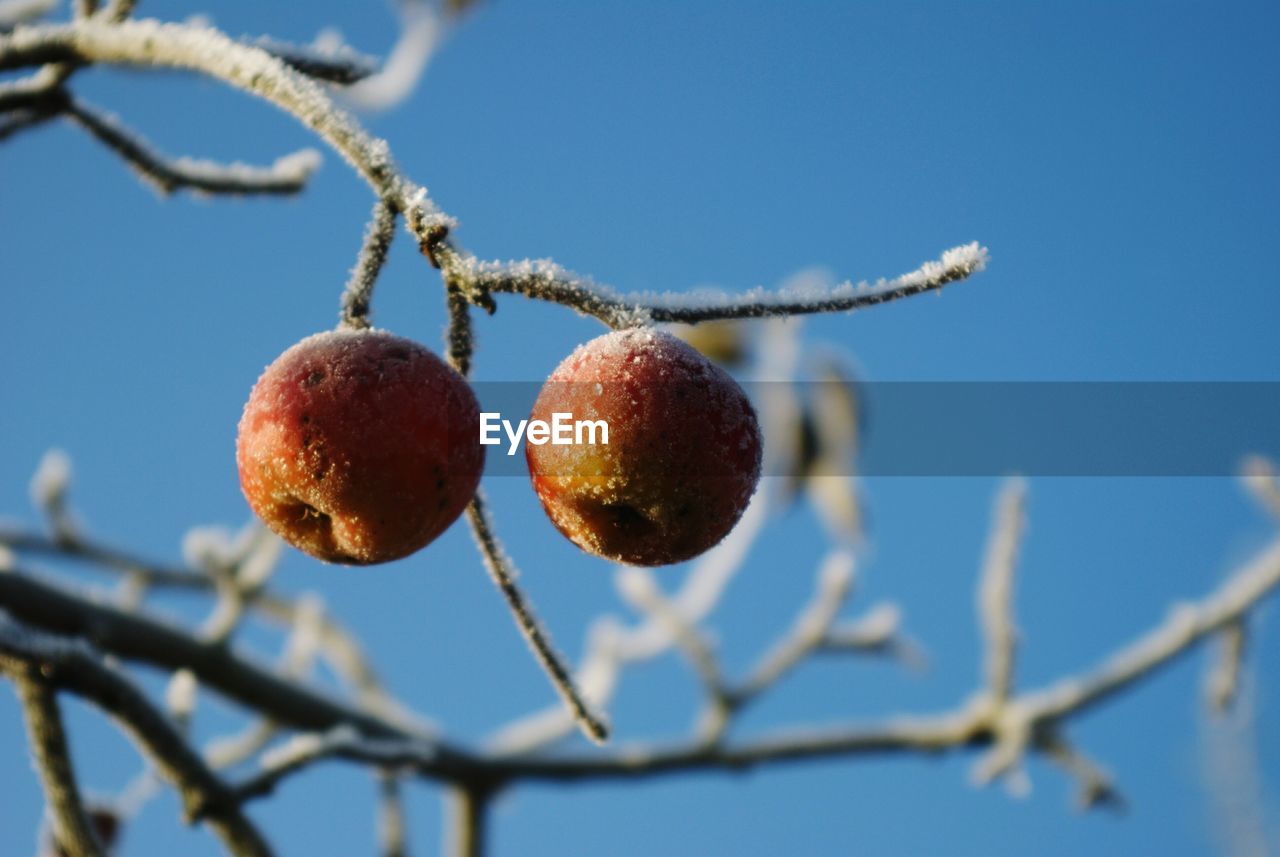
{"x": 287, "y": 175}
{"x": 995, "y": 591}
{"x": 391, "y": 823}
{"x": 1016, "y": 725}
{"x": 876, "y": 632}
{"x": 14, "y": 12}
{"x": 22, "y": 120}
{"x": 640, "y": 588}
{"x": 810, "y": 629}
{"x": 134, "y": 635}
{"x": 72, "y": 829}
{"x": 71, "y": 666}
{"x": 1096, "y": 787}
{"x": 343, "y": 67}
{"x": 1259, "y": 477}
{"x": 465, "y": 828}
{"x": 1186, "y": 625}
{"x": 1224, "y": 679}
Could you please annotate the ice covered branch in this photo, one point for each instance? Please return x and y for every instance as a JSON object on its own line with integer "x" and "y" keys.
{"x": 995, "y": 590}
{"x": 151, "y": 44}
{"x": 135, "y": 635}
{"x": 71, "y": 666}
{"x": 1034, "y": 716}
{"x": 546, "y": 281}
{"x": 287, "y": 175}
{"x": 378, "y": 236}
{"x": 503, "y": 573}
{"x": 72, "y": 829}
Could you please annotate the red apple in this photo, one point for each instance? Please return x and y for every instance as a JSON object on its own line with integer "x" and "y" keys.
{"x": 683, "y": 456}
{"x": 359, "y": 447}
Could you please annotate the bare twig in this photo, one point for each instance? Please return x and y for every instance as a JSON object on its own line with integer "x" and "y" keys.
{"x": 344, "y": 69}
{"x": 152, "y": 44}
{"x": 503, "y": 573}
{"x": 340, "y": 648}
{"x": 1096, "y": 787}
{"x": 391, "y": 825}
{"x": 22, "y": 120}
{"x": 1224, "y": 679}
{"x": 137, "y": 636}
{"x": 71, "y": 666}
{"x": 967, "y": 726}
{"x": 1186, "y": 625}
{"x": 1260, "y": 478}
{"x": 421, "y": 31}
{"x": 877, "y": 632}
{"x": 71, "y": 826}
{"x": 341, "y": 742}
{"x": 639, "y": 587}
{"x": 995, "y": 591}
{"x": 809, "y": 631}
{"x": 466, "y": 811}
{"x": 543, "y": 280}
{"x": 287, "y": 175}
{"x": 228, "y": 751}
{"x": 373, "y": 255}
{"x": 459, "y": 338}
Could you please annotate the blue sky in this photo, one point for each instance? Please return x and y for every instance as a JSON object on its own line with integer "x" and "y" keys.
{"x": 1117, "y": 159}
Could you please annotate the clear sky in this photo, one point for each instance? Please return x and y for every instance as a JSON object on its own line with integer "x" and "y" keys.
{"x": 1118, "y": 159}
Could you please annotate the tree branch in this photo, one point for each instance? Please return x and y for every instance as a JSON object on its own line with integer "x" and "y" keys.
{"x": 340, "y": 648}
{"x": 546, "y": 281}
{"x": 152, "y": 44}
{"x": 137, "y": 636}
{"x": 70, "y": 666}
{"x": 466, "y": 822}
{"x": 71, "y": 826}
{"x": 995, "y": 591}
{"x": 1186, "y": 625}
{"x": 503, "y": 573}
{"x": 287, "y": 175}
{"x": 378, "y": 236}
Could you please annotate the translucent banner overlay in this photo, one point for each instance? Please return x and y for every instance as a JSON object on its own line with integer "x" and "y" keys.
{"x": 960, "y": 428}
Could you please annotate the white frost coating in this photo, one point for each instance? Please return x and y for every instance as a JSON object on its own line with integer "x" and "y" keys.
{"x": 881, "y": 622}
{"x": 635, "y": 584}
{"x": 207, "y": 547}
{"x": 421, "y": 31}
{"x": 542, "y": 279}
{"x": 293, "y": 168}
{"x": 304, "y": 642}
{"x": 969, "y": 258}
{"x": 157, "y": 44}
{"x": 51, "y": 478}
{"x": 180, "y": 695}
{"x": 14, "y": 12}
{"x": 260, "y": 561}
{"x": 305, "y": 746}
{"x": 837, "y": 572}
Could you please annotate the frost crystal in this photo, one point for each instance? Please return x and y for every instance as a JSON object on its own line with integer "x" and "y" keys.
{"x": 51, "y": 478}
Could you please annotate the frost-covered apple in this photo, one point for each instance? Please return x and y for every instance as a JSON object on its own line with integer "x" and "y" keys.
{"x": 683, "y": 456}
{"x": 359, "y": 447}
